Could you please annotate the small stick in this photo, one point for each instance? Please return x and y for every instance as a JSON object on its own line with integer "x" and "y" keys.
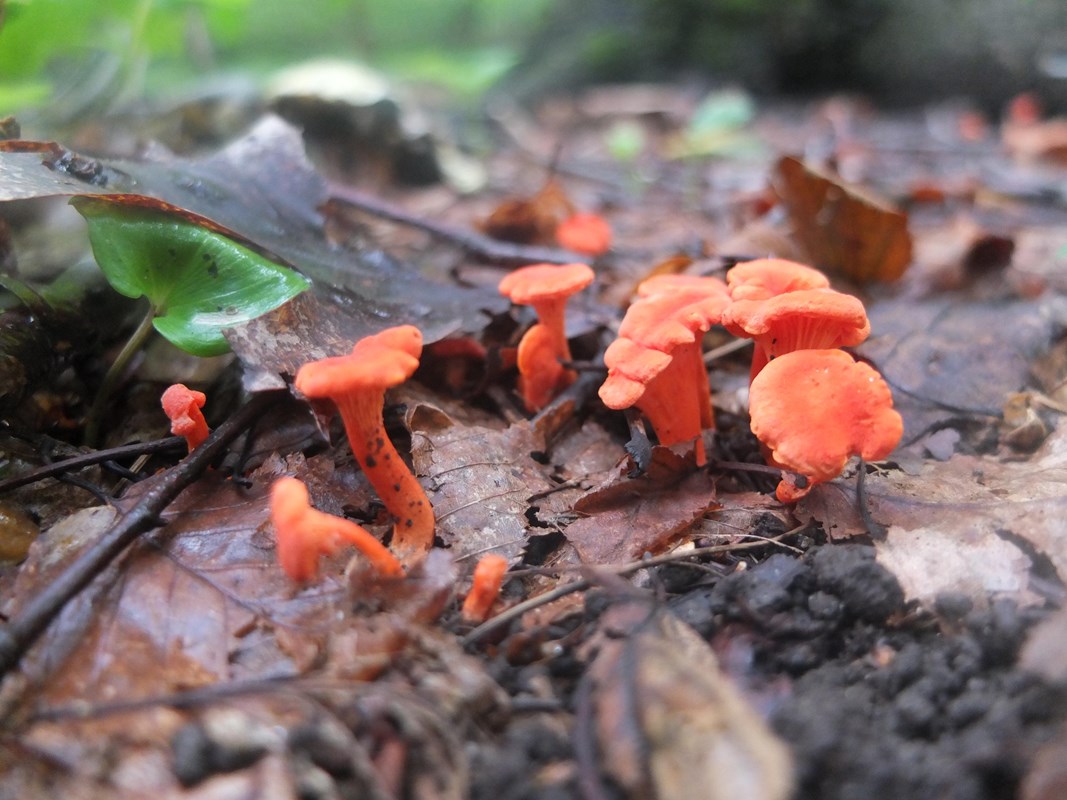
{"x": 75, "y": 463}
{"x": 477, "y": 244}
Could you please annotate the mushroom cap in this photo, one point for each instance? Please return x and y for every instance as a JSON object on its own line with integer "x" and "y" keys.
{"x": 815, "y": 409}
{"x": 178, "y": 400}
{"x": 379, "y": 361}
{"x": 584, "y": 233}
{"x": 673, "y": 312}
{"x": 832, "y": 318}
{"x": 767, "y": 277}
{"x": 538, "y": 283}
{"x": 630, "y": 368}
{"x": 677, "y": 282}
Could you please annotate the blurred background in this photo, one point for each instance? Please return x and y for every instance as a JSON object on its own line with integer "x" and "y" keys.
{"x": 60, "y": 59}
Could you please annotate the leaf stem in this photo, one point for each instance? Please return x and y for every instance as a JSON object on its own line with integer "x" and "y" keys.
{"x": 115, "y": 374}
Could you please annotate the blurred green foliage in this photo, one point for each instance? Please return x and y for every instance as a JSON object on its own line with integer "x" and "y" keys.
{"x": 53, "y": 50}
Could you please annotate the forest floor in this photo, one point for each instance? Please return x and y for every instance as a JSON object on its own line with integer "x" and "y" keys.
{"x": 671, "y": 633}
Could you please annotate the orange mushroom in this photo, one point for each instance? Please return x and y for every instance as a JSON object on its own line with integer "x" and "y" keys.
{"x": 356, "y": 384}
{"x": 547, "y": 288}
{"x": 585, "y": 233}
{"x": 767, "y": 277}
{"x": 810, "y": 319}
{"x": 656, "y": 363}
{"x": 303, "y": 534}
{"x": 182, "y": 406}
{"x": 488, "y": 578}
{"x": 814, "y": 409}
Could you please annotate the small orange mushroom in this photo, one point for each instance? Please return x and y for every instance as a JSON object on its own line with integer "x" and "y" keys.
{"x": 656, "y": 362}
{"x": 814, "y": 409}
{"x": 488, "y": 578}
{"x": 546, "y": 287}
{"x": 304, "y": 534}
{"x": 585, "y": 233}
{"x": 808, "y": 319}
{"x": 767, "y": 277}
{"x": 356, "y": 384}
{"x": 182, "y": 406}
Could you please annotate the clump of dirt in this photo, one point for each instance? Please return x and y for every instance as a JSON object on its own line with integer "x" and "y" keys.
{"x": 874, "y": 701}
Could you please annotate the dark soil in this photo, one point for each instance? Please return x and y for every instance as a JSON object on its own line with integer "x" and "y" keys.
{"x": 874, "y": 702}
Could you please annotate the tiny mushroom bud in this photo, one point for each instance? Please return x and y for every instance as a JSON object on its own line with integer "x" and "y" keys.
{"x": 656, "y": 362}
{"x": 585, "y": 233}
{"x": 356, "y": 384}
{"x": 304, "y": 534}
{"x": 815, "y": 409}
{"x": 547, "y": 288}
{"x": 808, "y": 319}
{"x": 767, "y": 277}
{"x": 182, "y": 406}
{"x": 488, "y": 578}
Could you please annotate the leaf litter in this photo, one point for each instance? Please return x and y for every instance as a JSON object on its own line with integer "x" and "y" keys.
{"x": 197, "y": 620}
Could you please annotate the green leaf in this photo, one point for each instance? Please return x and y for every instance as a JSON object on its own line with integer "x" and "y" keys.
{"x": 197, "y": 281}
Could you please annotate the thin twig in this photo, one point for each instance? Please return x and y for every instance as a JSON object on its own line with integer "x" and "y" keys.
{"x": 476, "y": 244}
{"x": 78, "y": 462}
{"x": 29, "y": 622}
{"x": 582, "y": 584}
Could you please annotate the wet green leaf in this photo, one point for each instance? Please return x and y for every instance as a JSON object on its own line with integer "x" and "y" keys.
{"x": 197, "y": 281}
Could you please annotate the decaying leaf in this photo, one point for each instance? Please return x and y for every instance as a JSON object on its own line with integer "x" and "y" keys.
{"x": 947, "y": 361}
{"x": 628, "y": 517}
{"x": 960, "y": 524}
{"x": 669, "y": 724}
{"x": 843, "y": 228}
{"x": 480, "y": 477}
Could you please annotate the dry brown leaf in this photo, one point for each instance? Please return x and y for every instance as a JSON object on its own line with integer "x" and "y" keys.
{"x": 843, "y": 228}
{"x": 480, "y": 478}
{"x": 627, "y": 518}
{"x": 669, "y": 724}
{"x": 959, "y": 525}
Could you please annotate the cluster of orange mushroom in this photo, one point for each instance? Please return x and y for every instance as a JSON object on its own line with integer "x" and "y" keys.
{"x": 812, "y": 405}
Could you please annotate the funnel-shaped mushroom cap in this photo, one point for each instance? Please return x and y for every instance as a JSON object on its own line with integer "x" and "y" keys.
{"x": 815, "y": 409}
{"x": 538, "y": 283}
{"x": 631, "y": 368}
{"x": 656, "y": 365}
{"x": 380, "y": 361}
{"x": 810, "y": 318}
{"x": 767, "y": 277}
{"x": 673, "y": 310}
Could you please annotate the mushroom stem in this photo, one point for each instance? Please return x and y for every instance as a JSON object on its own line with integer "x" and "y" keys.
{"x": 304, "y": 534}
{"x": 395, "y": 484}
{"x": 488, "y": 578}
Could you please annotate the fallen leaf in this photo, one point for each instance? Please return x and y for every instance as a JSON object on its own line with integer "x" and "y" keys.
{"x": 843, "y": 228}
{"x": 627, "y": 517}
{"x": 480, "y": 477}
{"x": 669, "y": 724}
{"x": 950, "y": 361}
{"x": 962, "y": 525}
